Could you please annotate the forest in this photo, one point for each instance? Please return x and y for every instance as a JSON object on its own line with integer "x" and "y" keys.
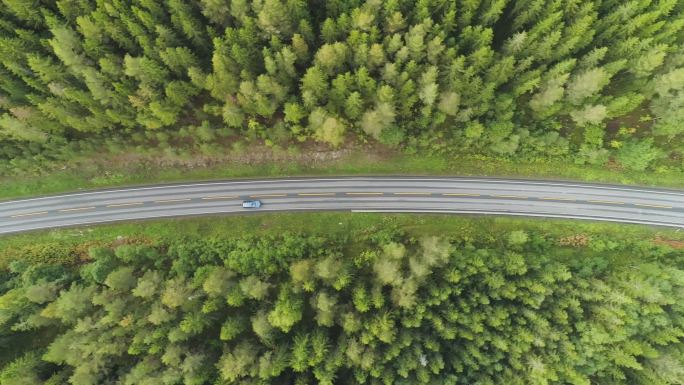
{"x": 385, "y": 308}
{"x": 589, "y": 81}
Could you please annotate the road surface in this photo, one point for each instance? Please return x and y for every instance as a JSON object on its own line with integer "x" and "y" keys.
{"x": 360, "y": 194}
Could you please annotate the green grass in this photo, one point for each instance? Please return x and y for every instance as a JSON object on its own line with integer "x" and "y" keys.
{"x": 93, "y": 173}
{"x": 71, "y": 245}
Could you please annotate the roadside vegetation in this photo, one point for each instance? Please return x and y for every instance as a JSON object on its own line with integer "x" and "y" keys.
{"x": 131, "y": 169}
{"x": 585, "y": 83}
{"x": 345, "y": 299}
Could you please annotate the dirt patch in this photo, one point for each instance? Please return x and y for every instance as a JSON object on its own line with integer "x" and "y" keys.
{"x": 632, "y": 119}
{"x": 669, "y": 242}
{"x": 577, "y": 240}
{"x": 613, "y": 165}
{"x": 81, "y": 250}
{"x": 309, "y": 154}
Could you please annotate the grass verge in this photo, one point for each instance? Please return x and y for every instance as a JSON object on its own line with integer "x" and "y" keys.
{"x": 71, "y": 245}
{"x": 89, "y": 173}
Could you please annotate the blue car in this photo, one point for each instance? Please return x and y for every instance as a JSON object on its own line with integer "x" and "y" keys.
{"x": 251, "y": 204}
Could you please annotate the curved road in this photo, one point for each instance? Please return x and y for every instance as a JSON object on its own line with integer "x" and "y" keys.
{"x": 376, "y": 194}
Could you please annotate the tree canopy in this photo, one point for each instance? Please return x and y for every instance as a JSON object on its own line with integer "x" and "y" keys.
{"x": 499, "y": 78}
{"x": 524, "y": 308}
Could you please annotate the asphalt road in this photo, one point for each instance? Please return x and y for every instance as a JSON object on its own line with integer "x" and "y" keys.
{"x": 364, "y": 194}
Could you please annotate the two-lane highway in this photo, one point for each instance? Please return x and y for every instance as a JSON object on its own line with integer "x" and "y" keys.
{"x": 377, "y": 194}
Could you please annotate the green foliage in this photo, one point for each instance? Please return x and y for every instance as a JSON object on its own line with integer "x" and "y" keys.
{"x": 590, "y": 115}
{"x": 587, "y": 84}
{"x": 22, "y": 371}
{"x": 637, "y": 155}
{"x": 326, "y": 128}
{"x": 287, "y": 310}
{"x": 668, "y": 105}
{"x": 479, "y": 78}
{"x": 121, "y": 279}
{"x": 517, "y": 238}
{"x": 47, "y": 252}
{"x": 425, "y": 309}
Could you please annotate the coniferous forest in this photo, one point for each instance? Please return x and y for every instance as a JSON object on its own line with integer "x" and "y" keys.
{"x": 590, "y": 81}
{"x": 389, "y": 308}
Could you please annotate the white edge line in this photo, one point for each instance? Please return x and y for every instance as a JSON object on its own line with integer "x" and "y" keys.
{"x": 358, "y": 211}
{"x": 182, "y": 216}
{"x": 446, "y": 179}
{"x": 567, "y": 216}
